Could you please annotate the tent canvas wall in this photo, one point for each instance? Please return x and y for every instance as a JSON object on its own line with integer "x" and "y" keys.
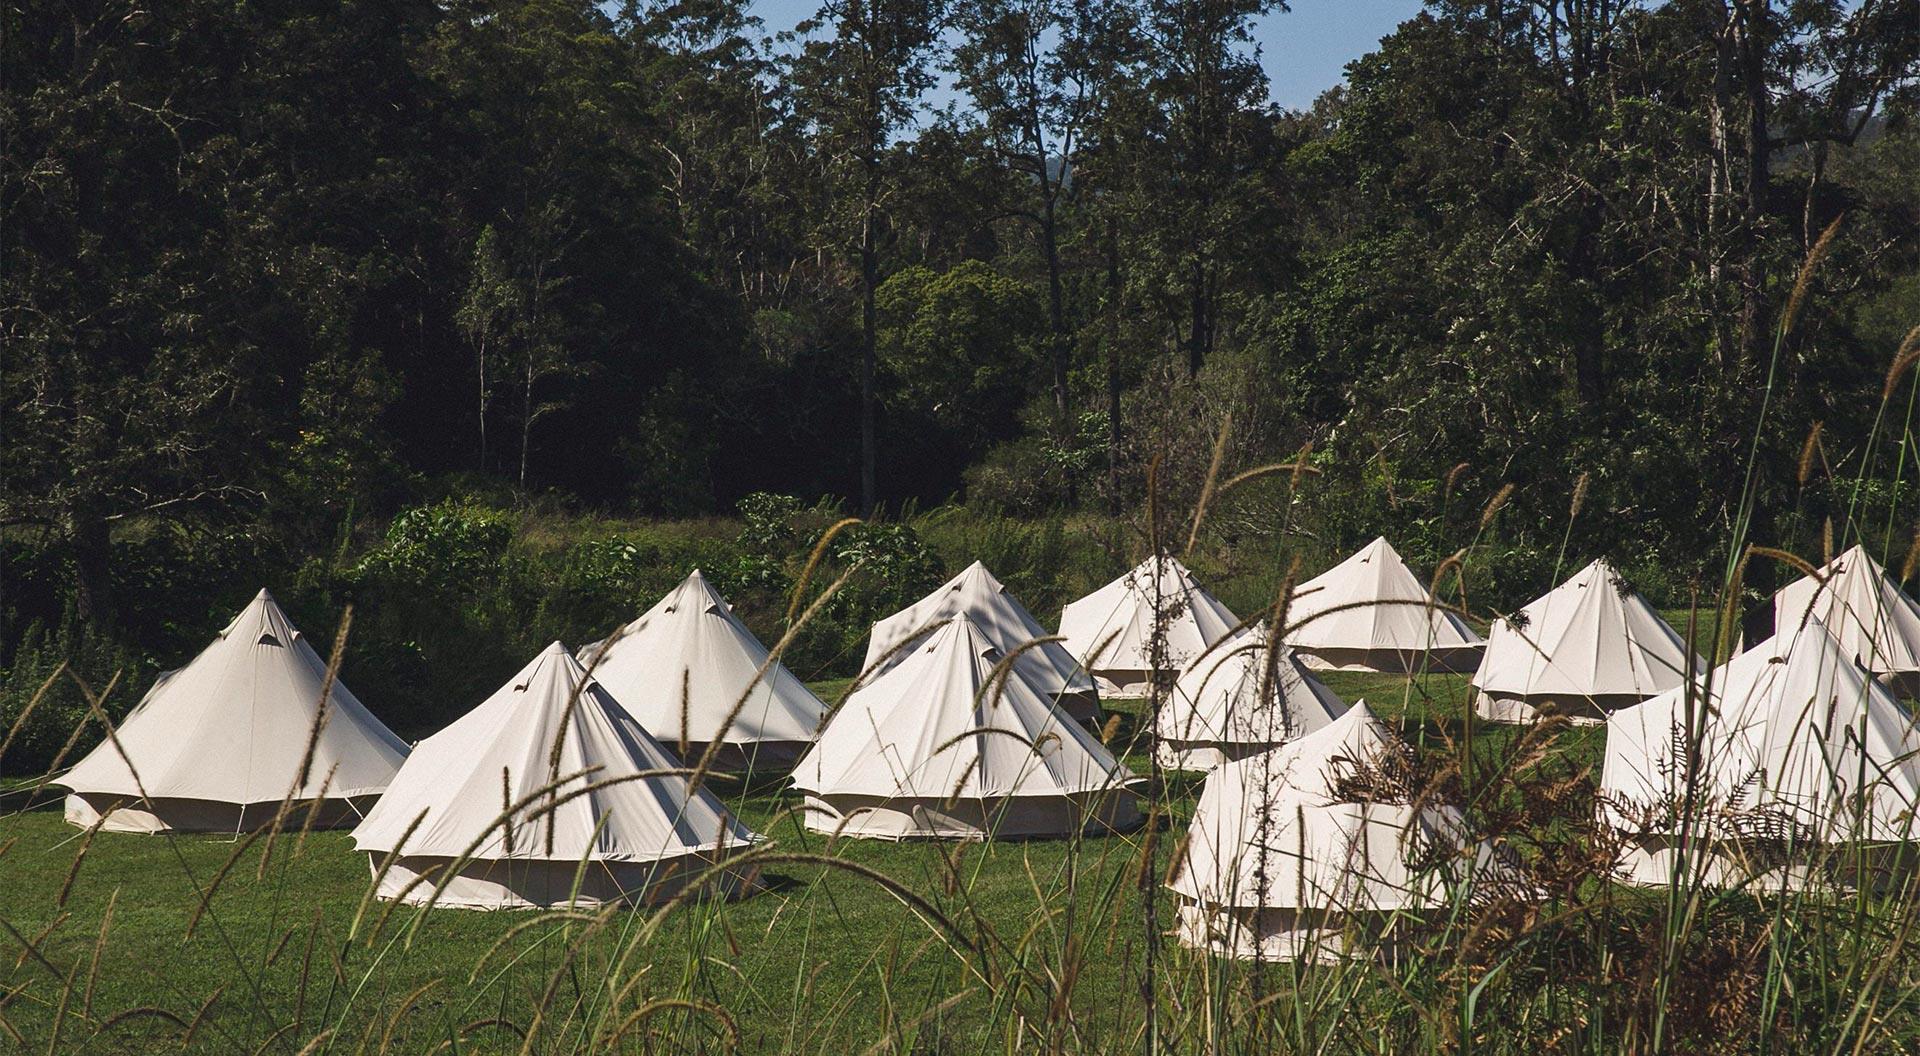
{"x": 216, "y": 746}
{"x": 1284, "y": 862}
{"x": 591, "y": 807}
{"x": 1797, "y": 748}
{"x": 932, "y": 748}
{"x": 1865, "y": 610}
{"x": 1371, "y": 613}
{"x": 1218, "y": 712}
{"x": 1048, "y": 666}
{"x": 1111, "y": 630}
{"x": 684, "y": 666}
{"x": 1587, "y": 647}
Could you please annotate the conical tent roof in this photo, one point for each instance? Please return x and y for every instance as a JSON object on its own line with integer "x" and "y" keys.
{"x": 234, "y": 724}
{"x": 1793, "y": 728}
{"x": 684, "y": 664}
{"x": 1371, "y": 612}
{"x": 1864, "y": 609}
{"x": 1275, "y": 831}
{"x": 997, "y": 614}
{"x": 1588, "y": 638}
{"x": 462, "y": 778}
{"x": 1218, "y": 698}
{"x": 933, "y": 728}
{"x": 1111, "y": 630}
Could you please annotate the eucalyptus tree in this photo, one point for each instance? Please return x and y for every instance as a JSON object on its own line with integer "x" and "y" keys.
{"x": 1017, "y": 61}
{"x": 1209, "y": 93}
{"x": 859, "y": 85}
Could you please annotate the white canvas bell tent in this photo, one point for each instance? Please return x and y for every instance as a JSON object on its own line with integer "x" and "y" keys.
{"x": 1370, "y": 613}
{"x": 1048, "y": 666}
{"x": 1294, "y": 851}
{"x": 593, "y": 820}
{"x": 1795, "y": 748}
{"x": 940, "y": 746}
{"x": 1229, "y": 704}
{"x": 1865, "y": 610}
{"x": 684, "y": 666}
{"x": 217, "y": 745}
{"x": 1589, "y": 646}
{"x": 1111, "y": 630}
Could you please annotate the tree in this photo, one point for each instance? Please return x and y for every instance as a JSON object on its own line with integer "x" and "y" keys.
{"x": 1204, "y": 81}
{"x": 859, "y": 87}
{"x": 1016, "y": 61}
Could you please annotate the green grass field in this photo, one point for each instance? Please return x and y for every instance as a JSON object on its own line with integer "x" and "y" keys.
{"x": 824, "y": 961}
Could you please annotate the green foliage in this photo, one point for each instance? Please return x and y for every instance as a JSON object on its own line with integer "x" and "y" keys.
{"x": 448, "y": 549}
{"x": 960, "y": 347}
{"x": 896, "y": 568}
{"x": 41, "y": 674}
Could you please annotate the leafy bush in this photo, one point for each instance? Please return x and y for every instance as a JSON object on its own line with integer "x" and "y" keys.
{"x": 62, "y": 709}
{"x": 446, "y": 549}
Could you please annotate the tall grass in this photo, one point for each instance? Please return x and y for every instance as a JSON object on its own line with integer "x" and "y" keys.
{"x": 1061, "y": 947}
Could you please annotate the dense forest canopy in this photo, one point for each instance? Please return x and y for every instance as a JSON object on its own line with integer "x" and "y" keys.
{"x": 287, "y": 269}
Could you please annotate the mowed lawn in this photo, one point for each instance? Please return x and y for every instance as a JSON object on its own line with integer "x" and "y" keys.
{"x": 825, "y": 961}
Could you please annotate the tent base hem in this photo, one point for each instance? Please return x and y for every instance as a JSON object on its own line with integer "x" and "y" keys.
{"x": 1018, "y": 817}
{"x": 118, "y": 813}
{"x": 538, "y": 884}
{"x": 1462, "y": 660}
{"x": 1524, "y": 711}
{"x": 1202, "y": 756}
{"x": 761, "y": 757}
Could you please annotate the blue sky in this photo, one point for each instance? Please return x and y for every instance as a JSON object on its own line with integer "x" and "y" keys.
{"x": 1305, "y": 50}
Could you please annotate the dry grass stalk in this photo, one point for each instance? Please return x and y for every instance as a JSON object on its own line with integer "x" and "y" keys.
{"x": 1902, "y": 362}
{"x": 1495, "y": 505}
{"x": 200, "y": 1016}
{"x": 813, "y": 562}
{"x": 1798, "y": 563}
{"x": 1804, "y": 472}
{"x": 661, "y": 1004}
{"x": 99, "y": 947}
{"x": 33, "y": 702}
{"x": 1579, "y": 495}
{"x": 1804, "y": 279}
{"x": 73, "y": 873}
{"x": 1213, "y": 474}
{"x": 1912, "y": 560}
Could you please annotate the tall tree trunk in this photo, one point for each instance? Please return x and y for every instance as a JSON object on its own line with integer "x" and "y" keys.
{"x": 1062, "y": 341}
{"x": 526, "y": 421}
{"x": 1197, "y": 337}
{"x": 92, "y": 564}
{"x": 1750, "y": 48}
{"x": 1113, "y": 365}
{"x": 481, "y": 360}
{"x": 869, "y": 279}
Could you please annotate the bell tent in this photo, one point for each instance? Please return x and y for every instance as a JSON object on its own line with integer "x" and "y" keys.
{"x": 1788, "y": 748}
{"x": 940, "y": 746}
{"x": 1006, "y": 623}
{"x": 1587, "y": 647}
{"x": 1112, "y": 629}
{"x": 547, "y": 794}
{"x": 1370, "y": 613}
{"x": 683, "y": 668}
{"x": 218, "y": 745}
{"x": 1228, "y": 705}
{"x": 1865, "y": 610}
{"x": 1293, "y": 851}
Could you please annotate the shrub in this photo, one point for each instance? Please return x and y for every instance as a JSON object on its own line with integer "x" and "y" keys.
{"x": 63, "y": 710}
